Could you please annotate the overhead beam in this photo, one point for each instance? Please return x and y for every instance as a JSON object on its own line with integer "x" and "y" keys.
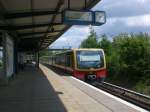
{"x": 37, "y": 37}
{"x": 35, "y": 33}
{"x": 58, "y": 7}
{"x": 32, "y": 5}
{"x": 2, "y": 12}
{"x": 56, "y": 49}
{"x": 89, "y": 5}
{"x": 57, "y": 36}
{"x": 32, "y": 37}
{"x": 15, "y": 15}
{"x": 21, "y": 27}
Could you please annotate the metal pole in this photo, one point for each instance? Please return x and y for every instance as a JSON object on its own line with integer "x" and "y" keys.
{"x": 37, "y": 59}
{"x": 68, "y": 4}
{"x": 85, "y": 4}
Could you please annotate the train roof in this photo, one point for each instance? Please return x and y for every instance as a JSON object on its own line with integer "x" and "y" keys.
{"x": 93, "y": 49}
{"x": 75, "y": 49}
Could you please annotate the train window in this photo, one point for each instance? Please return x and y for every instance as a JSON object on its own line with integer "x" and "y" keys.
{"x": 57, "y": 60}
{"x": 69, "y": 59}
{"x": 90, "y": 59}
{"x": 63, "y": 60}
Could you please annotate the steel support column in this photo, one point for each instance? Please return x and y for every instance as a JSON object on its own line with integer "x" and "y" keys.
{"x": 4, "y": 79}
{"x": 37, "y": 59}
{"x": 8, "y": 58}
{"x": 15, "y": 56}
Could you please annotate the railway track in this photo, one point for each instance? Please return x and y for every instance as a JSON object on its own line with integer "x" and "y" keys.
{"x": 128, "y": 95}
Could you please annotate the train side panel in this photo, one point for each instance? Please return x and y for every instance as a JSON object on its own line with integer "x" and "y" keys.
{"x": 68, "y": 62}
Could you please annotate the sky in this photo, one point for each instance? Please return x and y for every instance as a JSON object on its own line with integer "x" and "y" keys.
{"x": 131, "y": 16}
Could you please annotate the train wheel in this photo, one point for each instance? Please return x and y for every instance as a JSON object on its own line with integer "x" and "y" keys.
{"x": 86, "y": 78}
{"x": 101, "y": 80}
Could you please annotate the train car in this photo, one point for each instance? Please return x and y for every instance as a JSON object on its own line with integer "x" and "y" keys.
{"x": 85, "y": 64}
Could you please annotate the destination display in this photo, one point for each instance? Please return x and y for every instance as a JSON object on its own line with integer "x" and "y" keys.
{"x": 73, "y": 17}
{"x": 90, "y": 58}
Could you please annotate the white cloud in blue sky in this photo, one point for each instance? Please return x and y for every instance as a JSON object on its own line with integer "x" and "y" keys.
{"x": 122, "y": 16}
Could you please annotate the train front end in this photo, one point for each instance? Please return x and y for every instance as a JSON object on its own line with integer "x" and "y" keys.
{"x": 90, "y": 65}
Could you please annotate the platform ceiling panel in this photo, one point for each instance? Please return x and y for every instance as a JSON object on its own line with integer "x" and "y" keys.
{"x": 25, "y": 31}
{"x": 77, "y": 4}
{"x": 32, "y": 36}
{"x": 59, "y": 27}
{"x": 45, "y": 4}
{"x": 16, "y": 5}
{"x": 22, "y": 21}
{"x": 38, "y": 23}
{"x": 42, "y": 19}
{"x": 40, "y": 29}
{"x": 52, "y": 34}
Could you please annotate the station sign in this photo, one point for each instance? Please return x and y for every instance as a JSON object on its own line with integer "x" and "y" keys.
{"x": 84, "y": 17}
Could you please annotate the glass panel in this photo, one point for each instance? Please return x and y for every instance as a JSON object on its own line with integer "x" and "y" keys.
{"x": 100, "y": 17}
{"x": 78, "y": 16}
{"x": 89, "y": 59}
{"x": 84, "y": 17}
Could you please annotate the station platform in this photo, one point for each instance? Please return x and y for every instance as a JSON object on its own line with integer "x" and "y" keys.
{"x": 1, "y": 75}
{"x": 43, "y": 90}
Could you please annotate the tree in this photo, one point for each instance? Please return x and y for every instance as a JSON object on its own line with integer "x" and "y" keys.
{"x": 45, "y": 52}
{"x": 127, "y": 58}
{"x": 132, "y": 58}
{"x": 105, "y": 44}
{"x": 91, "y": 41}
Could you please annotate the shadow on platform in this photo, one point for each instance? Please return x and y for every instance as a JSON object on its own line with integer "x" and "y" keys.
{"x": 30, "y": 91}
{"x": 1, "y": 75}
{"x": 58, "y": 70}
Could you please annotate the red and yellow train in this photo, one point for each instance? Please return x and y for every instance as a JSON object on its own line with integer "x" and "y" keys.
{"x": 85, "y": 64}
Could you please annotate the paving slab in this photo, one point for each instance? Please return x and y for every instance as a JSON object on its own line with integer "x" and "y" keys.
{"x": 42, "y": 90}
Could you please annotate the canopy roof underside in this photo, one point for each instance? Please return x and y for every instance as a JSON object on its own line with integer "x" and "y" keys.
{"x": 37, "y": 23}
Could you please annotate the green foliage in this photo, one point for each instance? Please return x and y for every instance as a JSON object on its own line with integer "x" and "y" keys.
{"x": 105, "y": 44}
{"x": 90, "y": 42}
{"x": 45, "y": 53}
{"x": 134, "y": 53}
{"x": 128, "y": 59}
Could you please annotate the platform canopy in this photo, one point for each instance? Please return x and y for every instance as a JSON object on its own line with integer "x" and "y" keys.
{"x": 37, "y": 23}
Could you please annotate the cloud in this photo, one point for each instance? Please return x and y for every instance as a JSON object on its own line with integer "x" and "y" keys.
{"x": 140, "y": 21}
{"x": 122, "y": 16}
{"x": 125, "y": 8}
{"x": 118, "y": 25}
{"x": 73, "y": 37}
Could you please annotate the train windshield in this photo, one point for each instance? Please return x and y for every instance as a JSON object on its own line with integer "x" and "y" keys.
{"x": 90, "y": 59}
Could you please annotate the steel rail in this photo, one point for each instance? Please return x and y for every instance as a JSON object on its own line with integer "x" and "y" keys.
{"x": 128, "y": 95}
